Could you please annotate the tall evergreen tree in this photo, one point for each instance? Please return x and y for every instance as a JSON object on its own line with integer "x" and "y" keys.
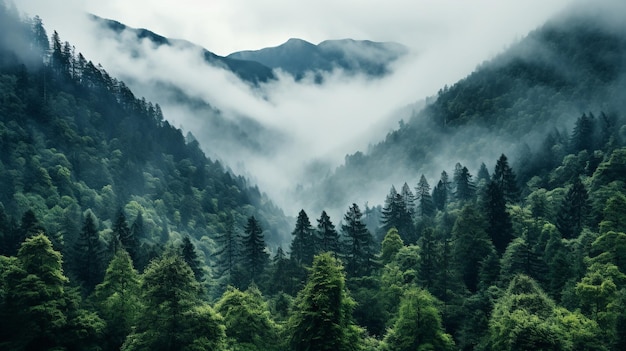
{"x": 322, "y": 318}
{"x": 464, "y": 186}
{"x": 89, "y": 255}
{"x": 122, "y": 236}
{"x": 426, "y": 208}
{"x": 499, "y": 227}
{"x": 358, "y": 243}
{"x": 328, "y": 237}
{"x": 428, "y": 268}
{"x": 229, "y": 251}
{"x": 504, "y": 177}
{"x": 188, "y": 252}
{"x": 409, "y": 199}
{"x": 582, "y": 134}
{"x": 118, "y": 299}
{"x": 255, "y": 257}
{"x": 173, "y": 316}
{"x": 418, "y": 326}
{"x": 471, "y": 245}
{"x": 303, "y": 243}
{"x": 574, "y": 210}
{"x": 396, "y": 215}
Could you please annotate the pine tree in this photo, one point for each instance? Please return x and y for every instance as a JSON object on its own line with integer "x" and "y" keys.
{"x": 173, "y": 316}
{"x": 188, "y": 253}
{"x": 574, "y": 210}
{"x": 464, "y": 186}
{"x": 426, "y": 208}
{"x": 122, "y": 236}
{"x": 409, "y": 199}
{"x": 255, "y": 257}
{"x": 499, "y": 227}
{"x": 88, "y": 255}
{"x": 322, "y": 318}
{"x": 358, "y": 243}
{"x": 229, "y": 251}
{"x": 328, "y": 237}
{"x": 582, "y": 134}
{"x": 418, "y": 326}
{"x": 396, "y": 215}
{"x": 117, "y": 299}
{"x": 303, "y": 243}
{"x": 471, "y": 245}
{"x": 428, "y": 267}
{"x": 505, "y": 178}
{"x": 483, "y": 174}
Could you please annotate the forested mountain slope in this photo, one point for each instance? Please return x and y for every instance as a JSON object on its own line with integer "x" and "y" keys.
{"x": 75, "y": 140}
{"x": 572, "y": 65}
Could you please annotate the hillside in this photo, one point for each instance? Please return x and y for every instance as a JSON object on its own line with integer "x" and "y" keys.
{"x": 76, "y": 140}
{"x": 510, "y": 104}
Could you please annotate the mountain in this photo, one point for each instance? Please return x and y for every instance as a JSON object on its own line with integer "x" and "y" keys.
{"x": 298, "y": 57}
{"x": 76, "y": 141}
{"x": 536, "y": 89}
{"x": 246, "y": 70}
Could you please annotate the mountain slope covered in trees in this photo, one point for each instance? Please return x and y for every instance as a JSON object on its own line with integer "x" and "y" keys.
{"x": 515, "y": 103}
{"x": 527, "y": 254}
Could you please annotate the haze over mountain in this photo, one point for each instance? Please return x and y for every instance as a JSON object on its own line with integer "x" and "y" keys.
{"x": 308, "y": 128}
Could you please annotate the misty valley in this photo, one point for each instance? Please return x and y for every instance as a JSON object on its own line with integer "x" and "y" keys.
{"x": 192, "y": 201}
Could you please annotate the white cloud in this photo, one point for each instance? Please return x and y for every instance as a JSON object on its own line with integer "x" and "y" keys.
{"x": 448, "y": 38}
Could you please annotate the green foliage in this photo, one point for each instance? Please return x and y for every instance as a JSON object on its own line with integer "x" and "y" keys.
{"x": 358, "y": 243}
{"x": 418, "y": 326}
{"x": 392, "y": 243}
{"x": 322, "y": 317}
{"x": 247, "y": 319}
{"x": 117, "y": 299}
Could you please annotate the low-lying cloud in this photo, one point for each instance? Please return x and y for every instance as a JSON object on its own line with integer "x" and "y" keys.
{"x": 307, "y": 128}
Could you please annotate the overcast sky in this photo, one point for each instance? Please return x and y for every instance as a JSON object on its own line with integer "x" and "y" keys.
{"x": 448, "y": 39}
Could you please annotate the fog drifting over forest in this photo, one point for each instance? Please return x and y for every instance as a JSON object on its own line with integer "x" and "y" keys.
{"x": 307, "y": 123}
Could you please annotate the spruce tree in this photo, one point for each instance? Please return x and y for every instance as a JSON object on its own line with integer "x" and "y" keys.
{"x": 499, "y": 227}
{"x": 464, "y": 186}
{"x": 255, "y": 257}
{"x": 396, "y": 215}
{"x": 358, "y": 243}
{"x": 505, "y": 178}
{"x": 426, "y": 208}
{"x": 228, "y": 252}
{"x": 322, "y": 318}
{"x": 409, "y": 199}
{"x": 188, "y": 253}
{"x": 88, "y": 254}
{"x": 328, "y": 237}
{"x": 303, "y": 243}
{"x": 574, "y": 210}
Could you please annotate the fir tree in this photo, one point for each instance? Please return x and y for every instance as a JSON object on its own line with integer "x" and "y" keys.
{"x": 358, "y": 243}
{"x": 464, "y": 186}
{"x": 426, "y": 208}
{"x": 328, "y": 237}
{"x": 574, "y": 210}
{"x": 89, "y": 254}
{"x": 499, "y": 227}
{"x": 188, "y": 252}
{"x": 505, "y": 178}
{"x": 396, "y": 215}
{"x": 303, "y": 243}
{"x": 255, "y": 257}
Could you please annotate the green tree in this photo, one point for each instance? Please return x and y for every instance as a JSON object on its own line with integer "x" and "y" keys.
{"x": 499, "y": 228}
{"x": 40, "y": 311}
{"x": 614, "y": 218}
{"x": 189, "y": 254}
{"x": 322, "y": 317}
{"x": 303, "y": 243}
{"x": 524, "y": 318}
{"x": 504, "y": 177}
{"x": 396, "y": 215}
{"x": 249, "y": 325}
{"x": 428, "y": 268}
{"x": 228, "y": 252}
{"x": 465, "y": 189}
{"x": 426, "y": 208}
{"x": 574, "y": 210}
{"x": 117, "y": 299}
{"x": 392, "y": 243}
{"x": 418, "y": 326}
{"x": 173, "y": 317}
{"x": 328, "y": 237}
{"x": 358, "y": 243}
{"x": 255, "y": 257}
{"x": 471, "y": 245}
{"x": 88, "y": 254}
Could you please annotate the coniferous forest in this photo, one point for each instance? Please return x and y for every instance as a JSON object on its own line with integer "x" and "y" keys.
{"x": 117, "y": 232}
